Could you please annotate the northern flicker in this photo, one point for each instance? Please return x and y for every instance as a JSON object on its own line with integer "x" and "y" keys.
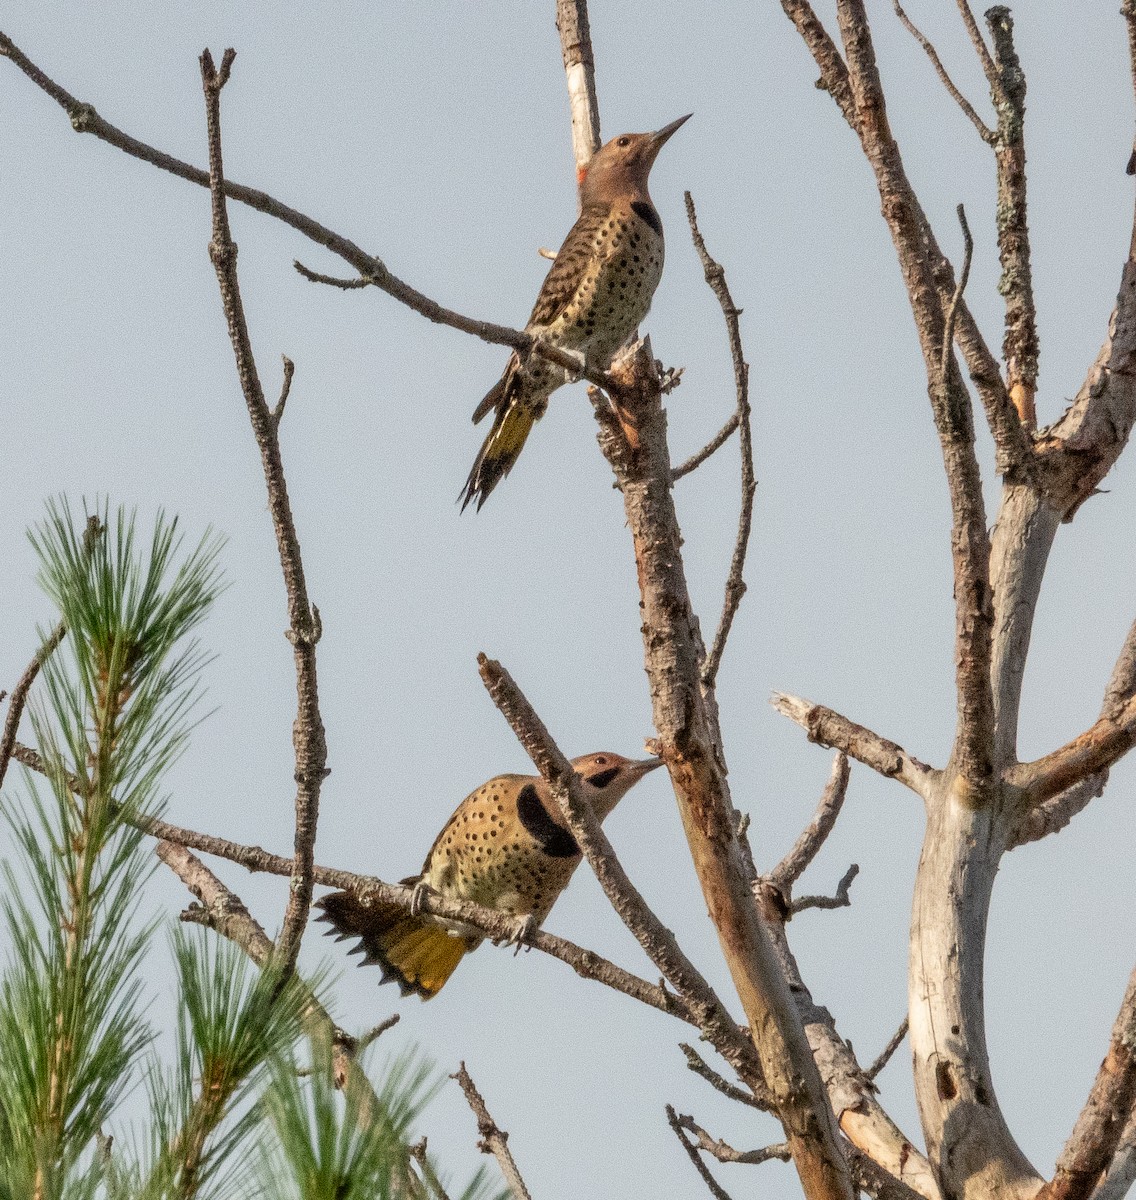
{"x": 598, "y": 291}
{"x": 505, "y": 847}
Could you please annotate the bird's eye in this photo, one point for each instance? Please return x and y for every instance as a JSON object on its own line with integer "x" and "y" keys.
{"x": 600, "y": 760}
{"x": 624, "y": 141}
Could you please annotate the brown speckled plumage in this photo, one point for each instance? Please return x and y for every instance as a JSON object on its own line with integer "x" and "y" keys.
{"x": 598, "y": 291}
{"x": 505, "y": 847}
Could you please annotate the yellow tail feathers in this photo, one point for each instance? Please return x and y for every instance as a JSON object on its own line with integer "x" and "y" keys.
{"x": 416, "y": 952}
{"x": 502, "y": 448}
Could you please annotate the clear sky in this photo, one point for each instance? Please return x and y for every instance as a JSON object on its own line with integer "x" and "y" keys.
{"x": 436, "y": 136}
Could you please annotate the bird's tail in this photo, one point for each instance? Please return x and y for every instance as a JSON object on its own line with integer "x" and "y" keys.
{"x": 416, "y": 952}
{"x": 501, "y": 449}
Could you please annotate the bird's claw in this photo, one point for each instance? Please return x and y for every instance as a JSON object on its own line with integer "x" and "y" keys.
{"x": 577, "y": 372}
{"x": 519, "y": 939}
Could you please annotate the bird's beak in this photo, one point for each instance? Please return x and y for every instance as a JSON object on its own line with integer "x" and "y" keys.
{"x": 644, "y": 765}
{"x": 660, "y": 137}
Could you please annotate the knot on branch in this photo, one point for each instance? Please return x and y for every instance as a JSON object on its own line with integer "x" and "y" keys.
{"x": 84, "y": 118}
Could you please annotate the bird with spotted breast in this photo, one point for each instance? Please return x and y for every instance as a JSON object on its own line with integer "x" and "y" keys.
{"x": 506, "y": 847}
{"x": 597, "y": 292}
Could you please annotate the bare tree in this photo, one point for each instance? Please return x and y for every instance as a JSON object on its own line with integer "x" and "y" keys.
{"x": 982, "y": 802}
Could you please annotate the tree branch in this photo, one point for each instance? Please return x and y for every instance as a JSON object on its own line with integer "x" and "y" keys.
{"x": 689, "y": 745}
{"x": 84, "y": 119}
{"x": 1122, "y": 684}
{"x": 723, "y": 1151}
{"x": 1121, "y": 1173}
{"x": 829, "y": 728}
{"x": 735, "y": 581}
{"x": 1096, "y": 1134}
{"x": 494, "y": 1141}
{"x": 833, "y": 69}
{"x": 495, "y": 925}
{"x": 580, "y": 69}
{"x": 716, "y": 1189}
{"x": 303, "y": 617}
{"x": 841, "y": 900}
{"x": 981, "y": 49}
{"x": 703, "y": 1069}
{"x": 656, "y": 939}
{"x": 984, "y": 131}
{"x": 1019, "y": 343}
{"x": 895, "y": 1167}
{"x": 950, "y": 405}
{"x": 885, "y": 1055}
{"x": 712, "y": 446}
{"x": 19, "y": 696}
{"x": 815, "y": 834}
{"x": 225, "y": 913}
{"x": 1088, "y": 754}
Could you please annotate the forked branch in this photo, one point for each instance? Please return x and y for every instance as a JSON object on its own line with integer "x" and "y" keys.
{"x": 494, "y": 1140}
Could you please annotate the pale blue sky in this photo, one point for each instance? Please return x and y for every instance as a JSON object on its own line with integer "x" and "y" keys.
{"x": 436, "y": 136}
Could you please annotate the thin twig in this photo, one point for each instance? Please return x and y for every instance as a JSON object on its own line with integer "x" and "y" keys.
{"x": 735, "y": 581}
{"x": 493, "y": 1140}
{"x": 1128, "y": 12}
{"x": 332, "y": 280}
{"x": 303, "y": 617}
{"x": 285, "y": 390}
{"x": 815, "y": 834}
{"x": 655, "y": 938}
{"x": 841, "y": 900}
{"x": 984, "y": 131}
{"x": 377, "y": 1032}
{"x": 1014, "y": 456}
{"x": 886, "y": 1053}
{"x": 960, "y": 288}
{"x": 716, "y": 1189}
{"x": 725, "y": 1153}
{"x": 712, "y": 446}
{"x": 19, "y": 696}
{"x": 702, "y": 1068}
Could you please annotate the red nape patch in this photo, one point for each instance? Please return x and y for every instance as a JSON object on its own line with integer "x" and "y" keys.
{"x": 581, "y": 175}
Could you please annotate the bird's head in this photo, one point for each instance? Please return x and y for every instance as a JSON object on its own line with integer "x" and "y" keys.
{"x": 609, "y": 777}
{"x": 622, "y": 166}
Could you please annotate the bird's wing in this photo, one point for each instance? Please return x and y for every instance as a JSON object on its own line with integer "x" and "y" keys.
{"x": 572, "y": 259}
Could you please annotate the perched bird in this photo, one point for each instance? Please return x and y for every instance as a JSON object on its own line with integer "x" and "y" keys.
{"x": 505, "y": 847}
{"x": 592, "y": 300}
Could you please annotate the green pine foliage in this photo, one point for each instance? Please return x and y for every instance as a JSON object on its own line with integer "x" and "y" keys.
{"x": 233, "y": 1115}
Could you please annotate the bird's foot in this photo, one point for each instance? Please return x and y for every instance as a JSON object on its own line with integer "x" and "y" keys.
{"x": 520, "y": 938}
{"x": 421, "y": 890}
{"x": 580, "y": 368}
